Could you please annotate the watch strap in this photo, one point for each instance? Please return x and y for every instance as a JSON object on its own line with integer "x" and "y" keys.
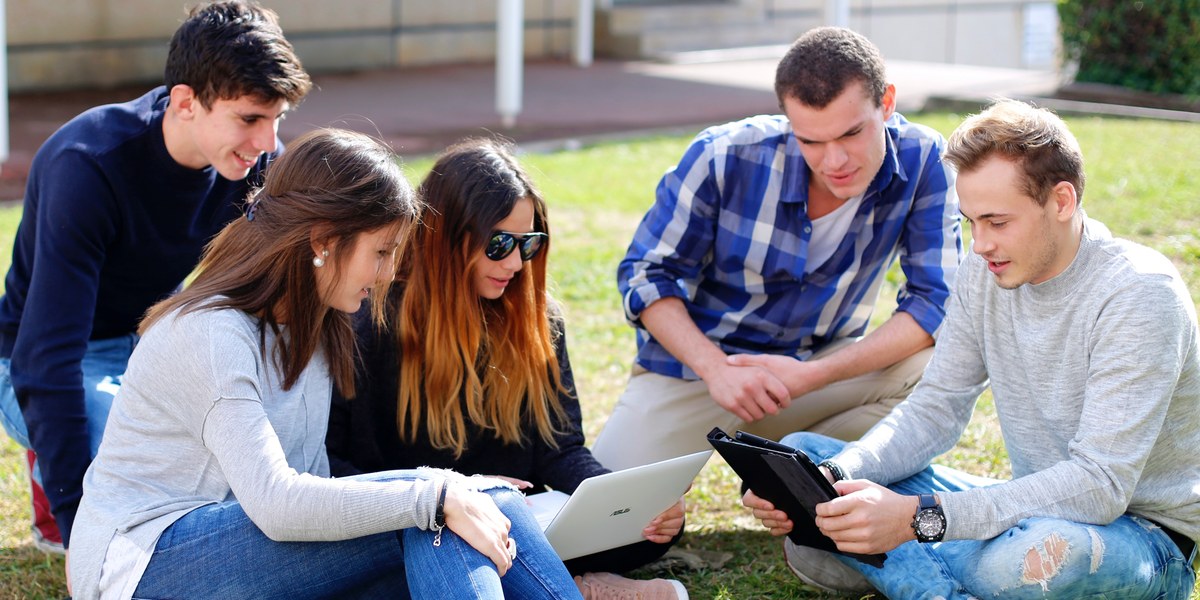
{"x": 925, "y": 501}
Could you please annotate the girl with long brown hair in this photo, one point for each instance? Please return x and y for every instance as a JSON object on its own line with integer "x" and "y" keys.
{"x": 473, "y": 373}
{"x": 214, "y": 455}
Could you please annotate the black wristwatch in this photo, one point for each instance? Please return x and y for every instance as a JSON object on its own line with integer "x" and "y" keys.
{"x": 930, "y": 522}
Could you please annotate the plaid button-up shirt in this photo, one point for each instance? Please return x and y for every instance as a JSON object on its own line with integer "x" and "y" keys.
{"x": 729, "y": 234}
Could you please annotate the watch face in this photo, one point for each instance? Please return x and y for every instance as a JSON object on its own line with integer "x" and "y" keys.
{"x": 927, "y": 524}
{"x": 931, "y": 524}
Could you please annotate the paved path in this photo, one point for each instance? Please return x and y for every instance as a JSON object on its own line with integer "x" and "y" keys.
{"x": 420, "y": 111}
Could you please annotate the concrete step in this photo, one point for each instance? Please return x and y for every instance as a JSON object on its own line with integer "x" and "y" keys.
{"x": 670, "y": 45}
{"x": 655, "y": 44}
{"x": 665, "y": 31}
{"x": 656, "y": 17}
{"x": 772, "y": 52}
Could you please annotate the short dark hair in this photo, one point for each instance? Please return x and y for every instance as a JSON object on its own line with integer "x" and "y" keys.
{"x": 230, "y": 49}
{"x": 823, "y": 61}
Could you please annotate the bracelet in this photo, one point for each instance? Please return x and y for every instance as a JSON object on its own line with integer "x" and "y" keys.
{"x": 834, "y": 469}
{"x": 439, "y": 516}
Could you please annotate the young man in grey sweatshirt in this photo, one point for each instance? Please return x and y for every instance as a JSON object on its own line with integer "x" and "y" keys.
{"x": 1089, "y": 344}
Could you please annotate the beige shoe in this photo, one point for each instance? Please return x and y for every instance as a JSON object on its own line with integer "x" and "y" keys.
{"x": 822, "y": 570}
{"x": 610, "y": 586}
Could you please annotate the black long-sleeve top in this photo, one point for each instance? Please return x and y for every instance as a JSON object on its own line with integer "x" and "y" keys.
{"x": 363, "y": 436}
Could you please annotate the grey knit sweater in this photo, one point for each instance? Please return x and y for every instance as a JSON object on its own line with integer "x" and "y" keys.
{"x": 1096, "y": 380}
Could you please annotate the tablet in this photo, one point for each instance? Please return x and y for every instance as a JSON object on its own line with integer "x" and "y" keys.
{"x": 787, "y": 478}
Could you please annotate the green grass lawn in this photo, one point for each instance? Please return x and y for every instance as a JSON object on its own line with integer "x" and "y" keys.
{"x": 1143, "y": 182}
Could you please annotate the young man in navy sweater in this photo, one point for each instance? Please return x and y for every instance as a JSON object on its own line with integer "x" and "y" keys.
{"x": 120, "y": 201}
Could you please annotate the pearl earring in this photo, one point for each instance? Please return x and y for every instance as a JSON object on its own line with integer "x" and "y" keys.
{"x": 319, "y": 261}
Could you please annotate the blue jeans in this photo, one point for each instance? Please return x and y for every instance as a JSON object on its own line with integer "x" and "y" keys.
{"x": 103, "y": 364}
{"x": 1140, "y": 561}
{"x": 215, "y": 551}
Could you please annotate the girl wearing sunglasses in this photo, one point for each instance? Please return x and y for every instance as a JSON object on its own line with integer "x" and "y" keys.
{"x": 214, "y": 457}
{"x": 473, "y": 374}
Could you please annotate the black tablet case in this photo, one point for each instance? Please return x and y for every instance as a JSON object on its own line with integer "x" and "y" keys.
{"x": 787, "y": 478}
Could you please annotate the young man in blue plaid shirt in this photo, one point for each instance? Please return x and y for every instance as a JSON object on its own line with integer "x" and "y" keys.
{"x": 772, "y": 237}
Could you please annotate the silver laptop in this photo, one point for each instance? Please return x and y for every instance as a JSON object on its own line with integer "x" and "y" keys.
{"x": 610, "y": 510}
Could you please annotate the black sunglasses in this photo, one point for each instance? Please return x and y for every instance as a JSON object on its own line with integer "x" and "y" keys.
{"x": 502, "y": 243}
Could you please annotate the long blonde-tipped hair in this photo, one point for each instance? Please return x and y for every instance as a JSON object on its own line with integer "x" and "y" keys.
{"x": 337, "y": 183}
{"x": 462, "y": 356}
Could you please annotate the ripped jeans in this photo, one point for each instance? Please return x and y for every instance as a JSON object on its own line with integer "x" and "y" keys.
{"x": 1039, "y": 558}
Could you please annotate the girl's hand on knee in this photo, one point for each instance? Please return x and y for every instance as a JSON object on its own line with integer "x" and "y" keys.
{"x": 475, "y": 517}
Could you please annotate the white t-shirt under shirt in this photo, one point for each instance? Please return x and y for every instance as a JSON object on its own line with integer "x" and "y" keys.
{"x": 828, "y": 231}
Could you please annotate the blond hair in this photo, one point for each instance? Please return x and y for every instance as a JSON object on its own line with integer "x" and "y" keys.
{"x": 1036, "y": 139}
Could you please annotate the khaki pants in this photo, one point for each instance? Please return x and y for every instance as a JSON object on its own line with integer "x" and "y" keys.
{"x": 660, "y": 417}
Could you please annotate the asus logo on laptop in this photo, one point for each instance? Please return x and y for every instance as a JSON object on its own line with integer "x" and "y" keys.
{"x": 619, "y": 511}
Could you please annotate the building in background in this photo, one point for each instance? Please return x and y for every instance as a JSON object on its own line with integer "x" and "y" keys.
{"x": 70, "y": 44}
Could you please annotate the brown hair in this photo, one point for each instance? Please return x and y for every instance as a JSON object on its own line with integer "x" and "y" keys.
{"x": 226, "y": 50}
{"x": 494, "y": 357}
{"x": 823, "y": 62}
{"x": 331, "y": 183}
{"x": 1034, "y": 138}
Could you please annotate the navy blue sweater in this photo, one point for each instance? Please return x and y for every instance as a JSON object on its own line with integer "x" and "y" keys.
{"x": 363, "y": 437}
{"x": 111, "y": 225}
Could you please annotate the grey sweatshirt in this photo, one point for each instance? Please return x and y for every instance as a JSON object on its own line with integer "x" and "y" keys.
{"x": 201, "y": 418}
{"x": 1096, "y": 380}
